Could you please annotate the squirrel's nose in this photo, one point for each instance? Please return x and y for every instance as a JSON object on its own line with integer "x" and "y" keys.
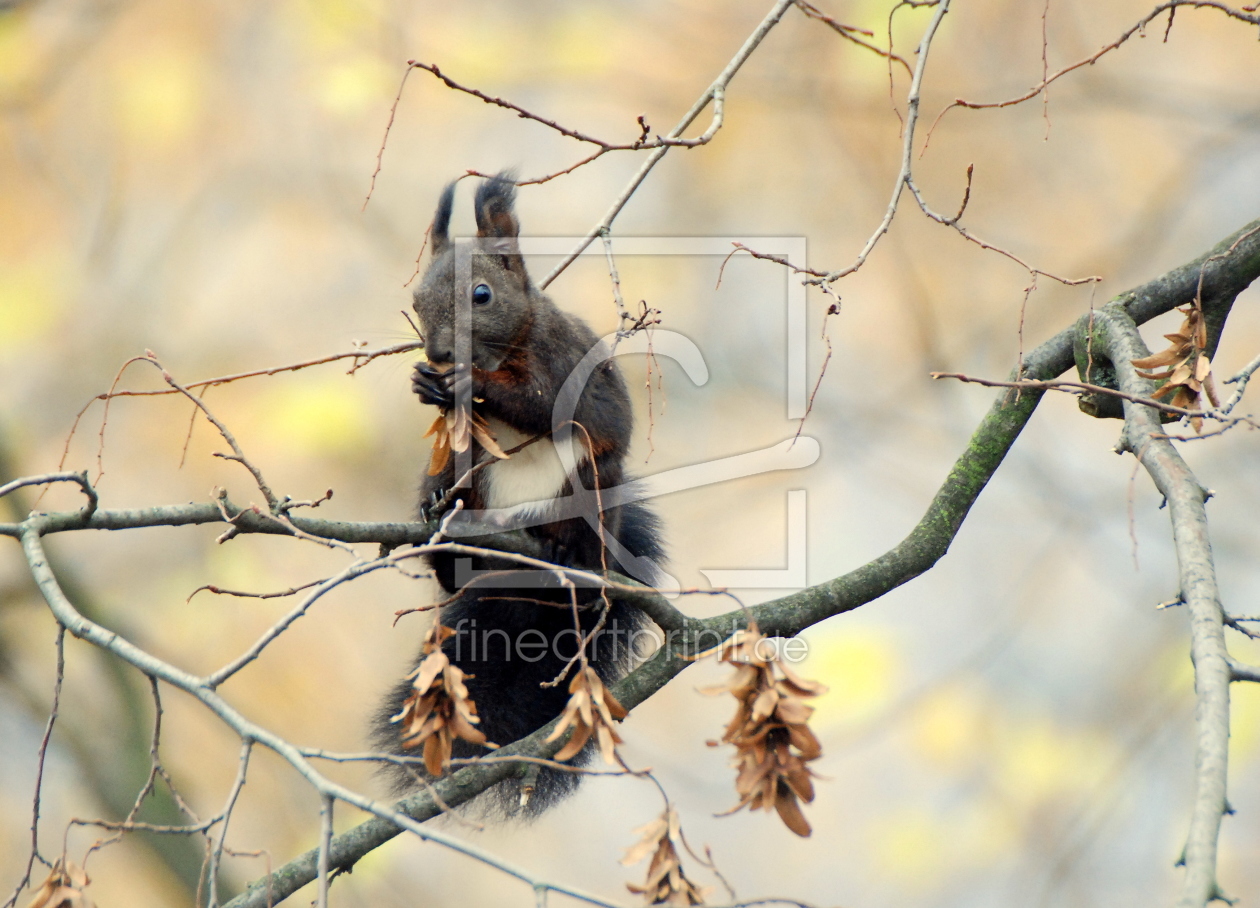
{"x": 439, "y": 354}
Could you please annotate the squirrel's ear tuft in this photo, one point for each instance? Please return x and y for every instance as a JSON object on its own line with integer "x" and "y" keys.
{"x": 439, "y": 236}
{"x": 494, "y": 206}
{"x": 496, "y": 219}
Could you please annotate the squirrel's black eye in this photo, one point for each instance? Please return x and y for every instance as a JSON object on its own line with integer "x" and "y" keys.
{"x": 481, "y": 295}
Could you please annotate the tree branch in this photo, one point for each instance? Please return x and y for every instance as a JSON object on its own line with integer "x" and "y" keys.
{"x": 1143, "y": 436}
{"x": 711, "y": 94}
{"x": 1241, "y": 672}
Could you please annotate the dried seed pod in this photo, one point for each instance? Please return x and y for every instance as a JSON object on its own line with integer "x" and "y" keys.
{"x": 772, "y": 740}
{"x": 666, "y": 883}
{"x": 1187, "y": 371}
{"x": 439, "y": 709}
{"x": 590, "y": 711}
{"x": 63, "y": 888}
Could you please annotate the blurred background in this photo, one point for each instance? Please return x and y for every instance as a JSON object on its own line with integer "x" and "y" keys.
{"x": 1014, "y": 727}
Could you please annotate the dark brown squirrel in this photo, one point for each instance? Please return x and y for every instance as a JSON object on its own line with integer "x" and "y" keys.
{"x": 514, "y": 360}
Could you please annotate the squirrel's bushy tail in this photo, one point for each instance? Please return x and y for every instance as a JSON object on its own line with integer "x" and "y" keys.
{"x": 513, "y": 643}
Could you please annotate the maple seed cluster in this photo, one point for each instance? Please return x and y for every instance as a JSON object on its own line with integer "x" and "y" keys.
{"x": 454, "y": 429}
{"x": 1187, "y": 369}
{"x": 772, "y": 740}
{"x": 666, "y": 883}
{"x": 590, "y": 711}
{"x": 438, "y": 709}
{"x": 63, "y": 888}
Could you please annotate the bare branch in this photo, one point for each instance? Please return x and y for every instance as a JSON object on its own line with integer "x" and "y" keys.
{"x": 1197, "y": 574}
{"x": 1076, "y": 387}
{"x": 216, "y": 854}
{"x": 39, "y": 769}
{"x": 907, "y": 146}
{"x": 777, "y": 259}
{"x": 972, "y": 238}
{"x": 1137, "y": 29}
{"x": 849, "y": 33}
{"x": 711, "y": 94}
{"x": 1223, "y": 276}
{"x": 45, "y": 478}
{"x": 642, "y": 143}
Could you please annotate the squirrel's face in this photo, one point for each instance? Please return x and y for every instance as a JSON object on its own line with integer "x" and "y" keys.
{"x": 476, "y": 300}
{"x": 473, "y": 306}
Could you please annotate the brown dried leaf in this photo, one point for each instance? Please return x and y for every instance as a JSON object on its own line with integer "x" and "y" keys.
{"x": 439, "y": 708}
{"x": 1163, "y": 358}
{"x": 666, "y": 884}
{"x": 452, "y": 431}
{"x": 769, "y": 731}
{"x": 437, "y": 750}
{"x": 792, "y": 711}
{"x": 428, "y": 671}
{"x": 484, "y": 437}
{"x": 790, "y": 813}
{"x": 441, "y": 445}
{"x": 457, "y": 428}
{"x": 591, "y": 710}
{"x": 803, "y": 688}
{"x": 1209, "y": 385}
{"x": 581, "y": 734}
{"x": 63, "y": 888}
{"x": 763, "y": 705}
{"x": 1188, "y": 368}
{"x": 1183, "y": 371}
{"x": 650, "y": 835}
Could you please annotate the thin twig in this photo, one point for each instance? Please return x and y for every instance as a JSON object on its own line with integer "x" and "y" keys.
{"x": 237, "y": 454}
{"x": 39, "y": 769}
{"x": 380, "y": 154}
{"x": 983, "y": 244}
{"x": 1137, "y": 29}
{"x": 711, "y": 94}
{"x": 211, "y": 588}
{"x": 44, "y": 478}
{"x": 1076, "y": 387}
{"x": 907, "y": 147}
{"x": 849, "y": 33}
{"x": 216, "y": 856}
{"x": 325, "y": 846}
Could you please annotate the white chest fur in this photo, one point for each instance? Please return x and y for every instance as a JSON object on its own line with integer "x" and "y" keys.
{"x": 532, "y": 474}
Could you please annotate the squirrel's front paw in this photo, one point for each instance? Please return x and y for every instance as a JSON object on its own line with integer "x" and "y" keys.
{"x": 438, "y": 385}
{"x": 431, "y": 508}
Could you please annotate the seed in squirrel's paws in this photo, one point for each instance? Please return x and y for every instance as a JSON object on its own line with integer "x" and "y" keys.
{"x": 441, "y": 367}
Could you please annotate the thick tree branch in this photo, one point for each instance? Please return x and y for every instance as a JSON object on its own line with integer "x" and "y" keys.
{"x": 1119, "y": 340}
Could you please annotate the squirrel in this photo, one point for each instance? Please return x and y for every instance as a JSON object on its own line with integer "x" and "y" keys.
{"x": 521, "y": 353}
